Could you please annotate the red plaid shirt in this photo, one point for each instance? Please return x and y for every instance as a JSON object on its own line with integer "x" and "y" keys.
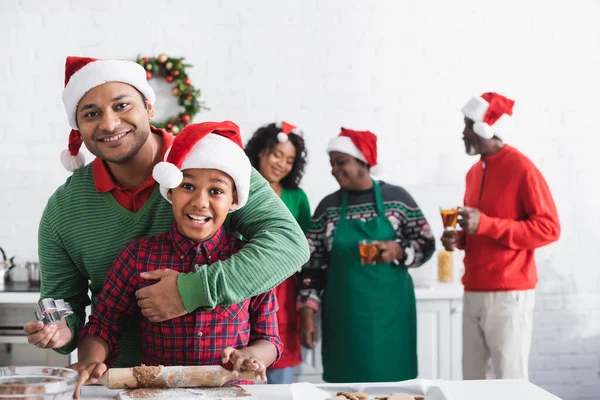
{"x": 196, "y": 338}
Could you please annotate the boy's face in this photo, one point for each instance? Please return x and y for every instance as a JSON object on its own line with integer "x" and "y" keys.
{"x": 202, "y": 201}
{"x": 114, "y": 121}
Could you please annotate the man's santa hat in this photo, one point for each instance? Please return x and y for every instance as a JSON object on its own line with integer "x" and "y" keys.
{"x": 208, "y": 145}
{"x": 286, "y": 129}
{"x": 83, "y": 74}
{"x": 492, "y": 114}
{"x": 358, "y": 144}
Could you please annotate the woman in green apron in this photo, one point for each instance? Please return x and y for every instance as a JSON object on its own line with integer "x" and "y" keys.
{"x": 368, "y": 312}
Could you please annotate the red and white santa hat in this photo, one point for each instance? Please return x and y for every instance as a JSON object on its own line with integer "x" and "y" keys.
{"x": 358, "y": 144}
{"x": 83, "y": 74}
{"x": 209, "y": 145}
{"x": 286, "y": 129}
{"x": 492, "y": 114}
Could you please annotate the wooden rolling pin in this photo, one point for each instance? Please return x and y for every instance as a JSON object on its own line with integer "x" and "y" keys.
{"x": 172, "y": 377}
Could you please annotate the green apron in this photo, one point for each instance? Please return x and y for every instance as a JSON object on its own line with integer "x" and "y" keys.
{"x": 369, "y": 311}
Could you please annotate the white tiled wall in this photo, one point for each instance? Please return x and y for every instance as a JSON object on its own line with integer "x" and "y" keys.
{"x": 400, "y": 69}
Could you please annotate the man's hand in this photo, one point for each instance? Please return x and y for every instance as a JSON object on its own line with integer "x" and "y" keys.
{"x": 91, "y": 370}
{"x": 469, "y": 219}
{"x": 389, "y": 251}
{"x": 160, "y": 301}
{"x": 243, "y": 360}
{"x": 450, "y": 240}
{"x": 50, "y": 336}
{"x": 308, "y": 329}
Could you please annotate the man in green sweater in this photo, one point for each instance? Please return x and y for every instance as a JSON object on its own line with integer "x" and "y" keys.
{"x": 113, "y": 200}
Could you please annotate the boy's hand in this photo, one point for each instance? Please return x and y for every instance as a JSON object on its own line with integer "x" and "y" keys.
{"x": 160, "y": 301}
{"x": 243, "y": 360}
{"x": 91, "y": 370}
{"x": 50, "y": 336}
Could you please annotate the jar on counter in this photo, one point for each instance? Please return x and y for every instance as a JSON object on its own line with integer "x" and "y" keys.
{"x": 445, "y": 266}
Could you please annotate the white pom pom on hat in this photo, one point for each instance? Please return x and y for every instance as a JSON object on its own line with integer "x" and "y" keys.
{"x": 286, "y": 129}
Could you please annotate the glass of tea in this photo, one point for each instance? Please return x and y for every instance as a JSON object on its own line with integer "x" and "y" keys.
{"x": 368, "y": 251}
{"x": 449, "y": 217}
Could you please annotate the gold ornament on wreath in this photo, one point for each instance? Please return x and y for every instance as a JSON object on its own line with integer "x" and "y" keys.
{"x": 174, "y": 70}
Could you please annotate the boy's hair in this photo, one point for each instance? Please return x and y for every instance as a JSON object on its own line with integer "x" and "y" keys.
{"x": 265, "y": 139}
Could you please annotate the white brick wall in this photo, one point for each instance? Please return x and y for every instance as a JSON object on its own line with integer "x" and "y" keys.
{"x": 401, "y": 69}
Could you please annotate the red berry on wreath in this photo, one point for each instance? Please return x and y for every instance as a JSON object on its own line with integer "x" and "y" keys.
{"x": 175, "y": 73}
{"x": 169, "y": 78}
{"x": 148, "y": 75}
{"x": 169, "y": 126}
{"x": 185, "y": 118}
{"x": 188, "y": 81}
{"x": 145, "y": 59}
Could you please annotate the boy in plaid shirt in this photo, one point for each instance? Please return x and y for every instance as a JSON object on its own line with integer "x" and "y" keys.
{"x": 205, "y": 175}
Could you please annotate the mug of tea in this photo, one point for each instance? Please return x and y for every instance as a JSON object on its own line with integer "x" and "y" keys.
{"x": 368, "y": 252}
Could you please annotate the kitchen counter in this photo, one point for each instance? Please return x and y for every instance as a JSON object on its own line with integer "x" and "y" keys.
{"x": 25, "y": 293}
{"x": 453, "y": 390}
{"x": 438, "y": 291}
{"x": 19, "y": 293}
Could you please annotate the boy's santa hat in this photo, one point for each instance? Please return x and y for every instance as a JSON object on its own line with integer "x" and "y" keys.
{"x": 208, "y": 145}
{"x": 286, "y": 129}
{"x": 492, "y": 114}
{"x": 83, "y": 74}
{"x": 358, "y": 144}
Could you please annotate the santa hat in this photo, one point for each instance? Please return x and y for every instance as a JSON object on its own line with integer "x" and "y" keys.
{"x": 358, "y": 144}
{"x": 492, "y": 114}
{"x": 286, "y": 129}
{"x": 83, "y": 74}
{"x": 209, "y": 145}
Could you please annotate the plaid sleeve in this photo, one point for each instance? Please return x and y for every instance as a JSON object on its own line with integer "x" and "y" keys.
{"x": 116, "y": 303}
{"x": 263, "y": 320}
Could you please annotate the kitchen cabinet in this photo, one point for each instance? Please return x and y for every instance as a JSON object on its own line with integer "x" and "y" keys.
{"x": 439, "y": 337}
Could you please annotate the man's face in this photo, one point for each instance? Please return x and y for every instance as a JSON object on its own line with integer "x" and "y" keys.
{"x": 202, "y": 201}
{"x": 347, "y": 170}
{"x": 114, "y": 121}
{"x": 473, "y": 142}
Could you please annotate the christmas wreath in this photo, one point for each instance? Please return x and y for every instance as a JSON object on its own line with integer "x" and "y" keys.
{"x": 174, "y": 70}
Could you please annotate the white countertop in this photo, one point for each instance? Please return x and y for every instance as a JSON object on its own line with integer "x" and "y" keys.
{"x": 438, "y": 291}
{"x": 423, "y": 291}
{"x": 453, "y": 390}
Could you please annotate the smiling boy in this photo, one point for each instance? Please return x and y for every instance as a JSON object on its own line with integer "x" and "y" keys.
{"x": 205, "y": 176}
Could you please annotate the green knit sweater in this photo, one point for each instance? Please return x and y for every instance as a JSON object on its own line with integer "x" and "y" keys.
{"x": 82, "y": 231}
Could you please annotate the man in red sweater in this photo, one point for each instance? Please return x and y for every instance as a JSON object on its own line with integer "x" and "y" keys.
{"x": 508, "y": 213}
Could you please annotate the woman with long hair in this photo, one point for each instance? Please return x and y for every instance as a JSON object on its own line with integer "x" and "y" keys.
{"x": 277, "y": 151}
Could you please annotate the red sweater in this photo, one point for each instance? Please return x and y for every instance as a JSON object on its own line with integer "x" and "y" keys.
{"x": 518, "y": 215}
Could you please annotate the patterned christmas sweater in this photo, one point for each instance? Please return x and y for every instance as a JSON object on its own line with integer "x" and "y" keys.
{"x": 412, "y": 232}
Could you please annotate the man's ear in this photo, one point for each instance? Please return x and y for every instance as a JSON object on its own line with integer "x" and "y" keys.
{"x": 170, "y": 195}
{"x": 150, "y": 109}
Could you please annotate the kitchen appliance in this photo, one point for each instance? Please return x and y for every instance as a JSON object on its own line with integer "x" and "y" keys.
{"x": 6, "y": 264}
{"x": 14, "y": 348}
{"x": 33, "y": 273}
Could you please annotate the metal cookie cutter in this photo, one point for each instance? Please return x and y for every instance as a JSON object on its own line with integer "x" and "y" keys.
{"x": 51, "y": 311}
